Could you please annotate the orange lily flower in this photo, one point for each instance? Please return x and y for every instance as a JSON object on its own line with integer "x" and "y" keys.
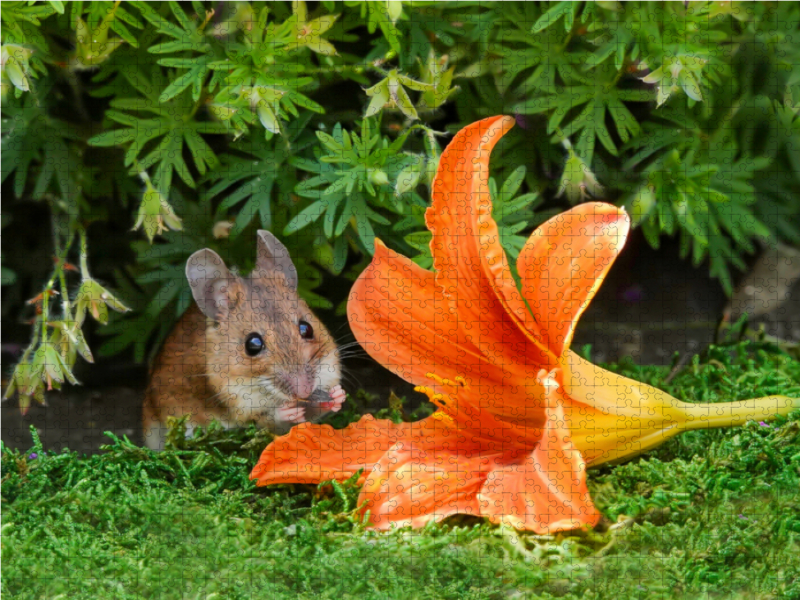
{"x": 519, "y": 415}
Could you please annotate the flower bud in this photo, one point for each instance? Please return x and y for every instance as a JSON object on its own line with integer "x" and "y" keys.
{"x": 578, "y": 181}
{"x": 93, "y": 47}
{"x": 155, "y": 213}
{"x": 409, "y": 177}
{"x": 96, "y": 299}
{"x": 394, "y": 9}
{"x": 14, "y": 60}
{"x": 268, "y": 118}
{"x": 378, "y": 177}
{"x": 222, "y": 229}
{"x": 221, "y": 112}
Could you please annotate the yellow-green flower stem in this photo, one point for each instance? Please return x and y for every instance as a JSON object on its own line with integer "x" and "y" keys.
{"x": 704, "y": 416}
{"x": 733, "y": 414}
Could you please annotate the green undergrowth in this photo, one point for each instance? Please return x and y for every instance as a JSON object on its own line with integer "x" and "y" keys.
{"x": 711, "y": 514}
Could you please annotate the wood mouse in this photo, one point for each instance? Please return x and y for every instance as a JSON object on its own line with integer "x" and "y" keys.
{"x": 250, "y": 350}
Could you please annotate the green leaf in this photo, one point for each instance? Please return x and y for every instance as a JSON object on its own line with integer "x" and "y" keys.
{"x": 513, "y": 183}
{"x": 305, "y": 217}
{"x": 329, "y": 142}
{"x": 364, "y": 229}
{"x": 600, "y": 55}
{"x": 419, "y": 240}
{"x": 339, "y": 254}
{"x": 330, "y": 214}
{"x": 388, "y": 28}
{"x": 561, "y": 9}
{"x": 116, "y": 137}
{"x": 181, "y": 83}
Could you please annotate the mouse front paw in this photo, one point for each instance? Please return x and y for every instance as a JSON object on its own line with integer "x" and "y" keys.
{"x": 290, "y": 413}
{"x": 338, "y": 396}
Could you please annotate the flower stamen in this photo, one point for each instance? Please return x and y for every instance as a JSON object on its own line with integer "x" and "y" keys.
{"x": 459, "y": 380}
{"x": 429, "y": 392}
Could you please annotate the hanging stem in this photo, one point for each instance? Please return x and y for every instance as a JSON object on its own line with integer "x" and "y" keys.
{"x": 84, "y": 254}
{"x": 40, "y": 324}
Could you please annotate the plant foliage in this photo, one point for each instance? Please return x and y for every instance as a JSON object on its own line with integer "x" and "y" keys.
{"x": 194, "y": 123}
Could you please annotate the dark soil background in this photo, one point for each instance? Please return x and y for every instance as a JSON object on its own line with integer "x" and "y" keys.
{"x": 651, "y": 306}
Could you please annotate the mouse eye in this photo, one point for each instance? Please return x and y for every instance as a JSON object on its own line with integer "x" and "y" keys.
{"x": 306, "y": 330}
{"x": 254, "y": 344}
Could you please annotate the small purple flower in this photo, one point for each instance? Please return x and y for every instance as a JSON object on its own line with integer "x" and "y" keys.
{"x": 632, "y": 294}
{"x": 743, "y": 518}
{"x": 33, "y": 456}
{"x": 763, "y": 424}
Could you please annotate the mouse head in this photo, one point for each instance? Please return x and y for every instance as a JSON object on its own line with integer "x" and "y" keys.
{"x": 264, "y": 336}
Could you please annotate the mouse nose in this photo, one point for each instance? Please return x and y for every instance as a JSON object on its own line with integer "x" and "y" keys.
{"x": 302, "y": 385}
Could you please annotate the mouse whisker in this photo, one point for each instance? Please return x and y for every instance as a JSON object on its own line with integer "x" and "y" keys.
{"x": 317, "y": 352}
{"x": 216, "y": 398}
{"x": 359, "y": 358}
{"x": 269, "y": 386}
{"x": 352, "y": 352}
{"x": 341, "y": 326}
{"x": 348, "y": 345}
{"x": 352, "y": 383}
{"x": 345, "y": 338}
{"x": 348, "y": 358}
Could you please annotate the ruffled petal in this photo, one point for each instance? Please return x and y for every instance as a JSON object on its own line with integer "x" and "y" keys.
{"x": 471, "y": 267}
{"x": 564, "y": 262}
{"x": 544, "y": 491}
{"x": 399, "y": 316}
{"x": 412, "y": 485}
{"x": 464, "y": 410}
{"x": 312, "y": 453}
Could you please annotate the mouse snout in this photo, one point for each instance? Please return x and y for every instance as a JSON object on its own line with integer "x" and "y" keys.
{"x": 299, "y": 385}
{"x": 304, "y": 385}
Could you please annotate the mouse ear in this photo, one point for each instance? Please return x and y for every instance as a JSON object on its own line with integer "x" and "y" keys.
{"x": 273, "y": 256}
{"x": 211, "y": 283}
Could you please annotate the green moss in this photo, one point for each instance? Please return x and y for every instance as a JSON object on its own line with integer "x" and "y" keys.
{"x": 711, "y": 514}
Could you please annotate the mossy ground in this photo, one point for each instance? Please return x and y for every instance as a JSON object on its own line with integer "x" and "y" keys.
{"x": 710, "y": 514}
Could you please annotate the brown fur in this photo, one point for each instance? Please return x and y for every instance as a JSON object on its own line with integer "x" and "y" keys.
{"x": 204, "y": 371}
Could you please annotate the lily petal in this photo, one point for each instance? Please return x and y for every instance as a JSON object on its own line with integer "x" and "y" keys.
{"x": 428, "y": 478}
{"x": 564, "y": 262}
{"x": 546, "y": 491}
{"x": 397, "y": 313}
{"x": 412, "y": 485}
{"x": 312, "y": 453}
{"x": 471, "y": 267}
